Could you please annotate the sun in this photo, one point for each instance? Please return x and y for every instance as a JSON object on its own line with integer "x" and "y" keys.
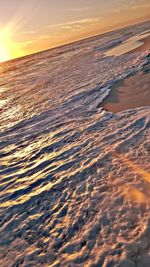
{"x": 4, "y": 53}
{"x": 8, "y": 48}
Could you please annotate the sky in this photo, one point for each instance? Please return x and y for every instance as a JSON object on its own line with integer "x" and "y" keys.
{"x": 28, "y": 26}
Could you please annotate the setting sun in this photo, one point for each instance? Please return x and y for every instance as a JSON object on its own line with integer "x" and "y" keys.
{"x": 4, "y": 54}
{"x": 8, "y": 48}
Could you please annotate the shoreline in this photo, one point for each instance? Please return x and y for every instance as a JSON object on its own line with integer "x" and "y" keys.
{"x": 127, "y": 94}
{"x": 144, "y": 46}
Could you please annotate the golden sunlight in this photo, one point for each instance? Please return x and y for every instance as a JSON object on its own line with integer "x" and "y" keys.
{"x": 8, "y": 48}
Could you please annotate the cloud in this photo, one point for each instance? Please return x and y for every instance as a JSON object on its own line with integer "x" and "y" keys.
{"x": 46, "y": 36}
{"x": 78, "y": 9}
{"x": 133, "y": 6}
{"x": 76, "y": 23}
{"x": 29, "y": 32}
{"x": 66, "y": 27}
{"x": 146, "y": 5}
{"x": 26, "y": 43}
{"x": 83, "y": 21}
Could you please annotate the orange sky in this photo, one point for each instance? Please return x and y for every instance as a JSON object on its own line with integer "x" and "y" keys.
{"x": 29, "y": 26}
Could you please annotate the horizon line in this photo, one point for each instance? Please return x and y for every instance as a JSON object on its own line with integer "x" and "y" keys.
{"x": 115, "y": 28}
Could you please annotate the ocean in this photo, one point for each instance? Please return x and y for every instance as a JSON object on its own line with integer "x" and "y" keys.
{"x": 74, "y": 177}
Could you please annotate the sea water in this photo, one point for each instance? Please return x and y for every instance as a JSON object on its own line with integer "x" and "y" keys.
{"x": 74, "y": 178}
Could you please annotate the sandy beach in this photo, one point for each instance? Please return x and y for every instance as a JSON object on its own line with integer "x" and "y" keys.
{"x": 132, "y": 92}
{"x": 129, "y": 93}
{"x": 137, "y": 43}
{"x": 143, "y": 47}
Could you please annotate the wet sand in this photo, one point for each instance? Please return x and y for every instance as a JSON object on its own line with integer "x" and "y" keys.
{"x": 137, "y": 43}
{"x": 143, "y": 47}
{"x": 132, "y": 92}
